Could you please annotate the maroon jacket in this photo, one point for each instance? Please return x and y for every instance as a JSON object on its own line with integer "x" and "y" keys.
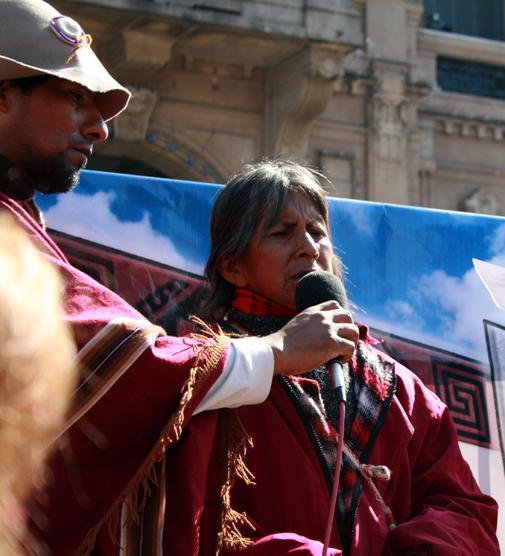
{"x": 432, "y": 493}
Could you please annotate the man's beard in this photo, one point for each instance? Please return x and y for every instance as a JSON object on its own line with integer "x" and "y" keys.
{"x": 58, "y": 176}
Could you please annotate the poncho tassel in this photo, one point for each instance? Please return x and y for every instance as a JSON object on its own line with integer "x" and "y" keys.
{"x": 236, "y": 441}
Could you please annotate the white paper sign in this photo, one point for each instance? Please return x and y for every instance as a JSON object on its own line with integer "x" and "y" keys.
{"x": 493, "y": 277}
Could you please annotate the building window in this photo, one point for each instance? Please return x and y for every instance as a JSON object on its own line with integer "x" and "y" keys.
{"x": 477, "y": 18}
{"x": 471, "y": 78}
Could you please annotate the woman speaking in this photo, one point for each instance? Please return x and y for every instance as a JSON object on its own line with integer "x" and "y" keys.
{"x": 404, "y": 488}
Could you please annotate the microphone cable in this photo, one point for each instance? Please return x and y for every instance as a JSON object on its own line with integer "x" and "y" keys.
{"x": 336, "y": 477}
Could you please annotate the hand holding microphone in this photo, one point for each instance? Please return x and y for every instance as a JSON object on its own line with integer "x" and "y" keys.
{"x": 319, "y": 333}
{"x": 315, "y": 288}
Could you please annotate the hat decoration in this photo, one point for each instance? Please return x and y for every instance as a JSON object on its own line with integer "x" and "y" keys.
{"x": 69, "y": 31}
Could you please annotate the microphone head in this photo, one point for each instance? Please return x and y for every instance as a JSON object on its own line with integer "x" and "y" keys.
{"x": 317, "y": 287}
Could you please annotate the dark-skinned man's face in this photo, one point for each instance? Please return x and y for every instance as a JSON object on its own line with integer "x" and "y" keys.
{"x": 48, "y": 132}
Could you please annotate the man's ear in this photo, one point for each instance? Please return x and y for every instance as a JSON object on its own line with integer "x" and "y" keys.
{"x": 4, "y": 85}
{"x": 231, "y": 270}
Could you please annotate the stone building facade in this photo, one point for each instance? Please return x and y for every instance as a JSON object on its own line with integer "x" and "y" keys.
{"x": 394, "y": 100}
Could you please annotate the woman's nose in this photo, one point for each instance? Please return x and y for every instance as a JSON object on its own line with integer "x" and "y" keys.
{"x": 307, "y": 247}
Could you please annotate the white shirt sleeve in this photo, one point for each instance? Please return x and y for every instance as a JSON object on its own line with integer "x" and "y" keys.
{"x": 246, "y": 378}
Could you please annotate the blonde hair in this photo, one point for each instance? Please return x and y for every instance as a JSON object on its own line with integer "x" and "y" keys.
{"x": 37, "y": 373}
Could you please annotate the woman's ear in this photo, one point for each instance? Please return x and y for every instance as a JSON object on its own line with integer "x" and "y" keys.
{"x": 231, "y": 270}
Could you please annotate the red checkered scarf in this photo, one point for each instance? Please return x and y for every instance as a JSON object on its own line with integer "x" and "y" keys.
{"x": 370, "y": 389}
{"x": 253, "y": 303}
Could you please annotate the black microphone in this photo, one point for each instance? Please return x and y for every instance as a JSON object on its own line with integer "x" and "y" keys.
{"x": 312, "y": 289}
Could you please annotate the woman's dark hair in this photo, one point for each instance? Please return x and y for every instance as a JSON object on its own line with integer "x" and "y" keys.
{"x": 254, "y": 197}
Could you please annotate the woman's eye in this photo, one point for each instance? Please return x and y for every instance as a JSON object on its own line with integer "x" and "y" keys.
{"x": 277, "y": 233}
{"x": 317, "y": 234}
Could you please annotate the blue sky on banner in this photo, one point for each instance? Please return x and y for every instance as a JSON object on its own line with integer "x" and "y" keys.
{"x": 162, "y": 220}
{"x": 409, "y": 270}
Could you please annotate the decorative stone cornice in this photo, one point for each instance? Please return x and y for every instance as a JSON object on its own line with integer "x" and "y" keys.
{"x": 482, "y": 200}
{"x": 132, "y": 124}
{"x": 139, "y": 51}
{"x": 299, "y": 89}
{"x": 464, "y": 126}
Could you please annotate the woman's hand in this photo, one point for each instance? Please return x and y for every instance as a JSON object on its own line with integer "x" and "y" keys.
{"x": 312, "y": 338}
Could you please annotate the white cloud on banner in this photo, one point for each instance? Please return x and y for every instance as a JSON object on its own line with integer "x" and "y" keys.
{"x": 464, "y": 303}
{"x": 497, "y": 245}
{"x": 405, "y": 313}
{"x": 359, "y": 216}
{"x": 89, "y": 217}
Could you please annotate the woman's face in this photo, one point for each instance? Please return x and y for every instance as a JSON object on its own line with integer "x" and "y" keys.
{"x": 277, "y": 257}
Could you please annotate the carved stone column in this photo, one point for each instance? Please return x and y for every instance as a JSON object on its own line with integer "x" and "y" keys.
{"x": 387, "y": 141}
{"x": 427, "y": 162}
{"x": 298, "y": 90}
{"x": 394, "y": 141}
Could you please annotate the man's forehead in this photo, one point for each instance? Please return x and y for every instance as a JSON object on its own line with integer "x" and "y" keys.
{"x": 74, "y": 84}
{"x": 68, "y": 84}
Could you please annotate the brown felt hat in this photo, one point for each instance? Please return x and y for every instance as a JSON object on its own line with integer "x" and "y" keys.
{"x": 36, "y": 39}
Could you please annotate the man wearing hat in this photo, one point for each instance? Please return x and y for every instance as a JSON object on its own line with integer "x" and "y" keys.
{"x": 138, "y": 387}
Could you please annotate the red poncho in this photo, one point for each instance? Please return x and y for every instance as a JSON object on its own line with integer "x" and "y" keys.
{"x": 137, "y": 393}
